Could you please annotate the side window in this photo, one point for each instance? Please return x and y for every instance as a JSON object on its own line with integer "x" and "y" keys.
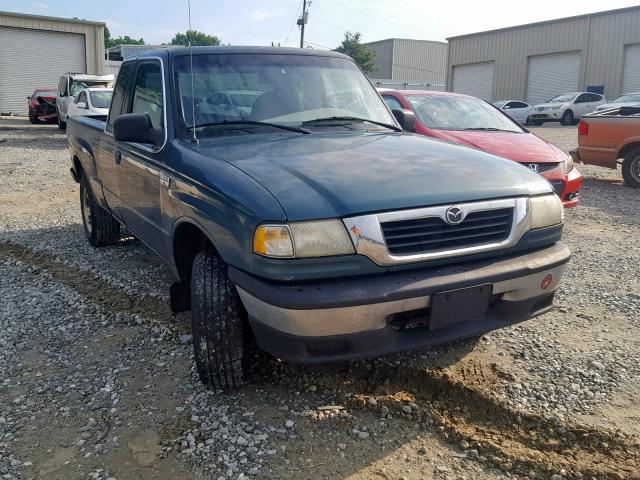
{"x": 584, "y": 98}
{"x": 125, "y": 78}
{"x": 392, "y": 102}
{"x": 518, "y": 105}
{"x": 82, "y": 97}
{"x": 147, "y": 94}
{"x": 594, "y": 97}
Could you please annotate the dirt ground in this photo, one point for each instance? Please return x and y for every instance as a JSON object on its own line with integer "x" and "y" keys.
{"x": 97, "y": 378}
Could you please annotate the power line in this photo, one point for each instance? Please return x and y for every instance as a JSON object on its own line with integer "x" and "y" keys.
{"x": 295, "y": 21}
{"x": 317, "y": 45}
{"x": 375, "y": 16}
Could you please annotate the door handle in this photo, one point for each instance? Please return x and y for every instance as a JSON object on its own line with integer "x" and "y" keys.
{"x": 118, "y": 155}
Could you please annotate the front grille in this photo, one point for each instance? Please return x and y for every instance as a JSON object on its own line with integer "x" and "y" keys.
{"x": 542, "y": 167}
{"x": 424, "y": 235}
{"x": 558, "y": 186}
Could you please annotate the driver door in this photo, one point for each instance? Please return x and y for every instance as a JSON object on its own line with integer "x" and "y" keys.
{"x": 139, "y": 167}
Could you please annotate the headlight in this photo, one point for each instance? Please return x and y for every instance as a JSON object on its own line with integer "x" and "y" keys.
{"x": 545, "y": 211}
{"x": 303, "y": 239}
{"x": 557, "y": 107}
{"x": 568, "y": 164}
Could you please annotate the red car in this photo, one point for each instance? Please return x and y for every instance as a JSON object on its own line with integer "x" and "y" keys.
{"x": 42, "y": 105}
{"x": 473, "y": 122}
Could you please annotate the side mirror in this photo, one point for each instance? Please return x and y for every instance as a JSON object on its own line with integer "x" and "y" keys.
{"x": 133, "y": 127}
{"x": 406, "y": 119}
{"x": 82, "y": 105}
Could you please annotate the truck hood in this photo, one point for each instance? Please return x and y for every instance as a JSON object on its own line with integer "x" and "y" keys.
{"x": 326, "y": 175}
{"x": 519, "y": 147}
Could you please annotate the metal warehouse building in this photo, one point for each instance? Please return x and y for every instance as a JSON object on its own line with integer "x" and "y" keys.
{"x": 416, "y": 62}
{"x": 599, "y": 52}
{"x": 35, "y": 51}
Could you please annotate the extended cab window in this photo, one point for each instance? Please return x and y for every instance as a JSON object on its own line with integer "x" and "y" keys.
{"x": 147, "y": 94}
{"x": 125, "y": 78}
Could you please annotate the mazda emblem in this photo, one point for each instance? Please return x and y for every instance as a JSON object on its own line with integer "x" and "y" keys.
{"x": 454, "y": 215}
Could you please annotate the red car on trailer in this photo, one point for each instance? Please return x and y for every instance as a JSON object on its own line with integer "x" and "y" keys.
{"x": 473, "y": 122}
{"x": 42, "y": 105}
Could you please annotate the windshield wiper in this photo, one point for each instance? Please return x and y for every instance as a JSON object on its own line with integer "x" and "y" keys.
{"x": 490, "y": 129}
{"x": 250, "y": 122}
{"x": 352, "y": 119}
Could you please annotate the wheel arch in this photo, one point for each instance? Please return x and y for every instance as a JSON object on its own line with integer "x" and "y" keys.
{"x": 628, "y": 147}
{"x": 189, "y": 238}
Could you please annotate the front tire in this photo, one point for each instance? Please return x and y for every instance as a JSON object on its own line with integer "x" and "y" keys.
{"x": 567, "y": 119}
{"x": 631, "y": 168}
{"x": 61, "y": 125}
{"x": 33, "y": 119}
{"x": 100, "y": 227}
{"x": 220, "y": 327}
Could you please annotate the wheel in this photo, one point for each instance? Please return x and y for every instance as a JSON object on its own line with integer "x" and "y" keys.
{"x": 100, "y": 227}
{"x": 567, "y": 118}
{"x": 221, "y": 332}
{"x": 33, "y": 119}
{"x": 61, "y": 125}
{"x": 536, "y": 123}
{"x": 631, "y": 168}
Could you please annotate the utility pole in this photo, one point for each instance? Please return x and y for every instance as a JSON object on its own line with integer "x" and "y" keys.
{"x": 303, "y": 20}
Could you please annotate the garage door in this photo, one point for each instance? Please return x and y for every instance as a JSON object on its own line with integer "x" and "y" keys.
{"x": 551, "y": 75}
{"x": 631, "y": 78}
{"x": 35, "y": 58}
{"x": 475, "y": 80}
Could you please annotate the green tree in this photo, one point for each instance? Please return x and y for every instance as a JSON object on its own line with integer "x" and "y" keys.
{"x": 126, "y": 40}
{"x": 197, "y": 39}
{"x": 361, "y": 54}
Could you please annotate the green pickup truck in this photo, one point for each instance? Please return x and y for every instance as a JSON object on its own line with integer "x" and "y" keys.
{"x": 299, "y": 214}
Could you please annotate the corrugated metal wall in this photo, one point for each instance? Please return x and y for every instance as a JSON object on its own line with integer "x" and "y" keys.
{"x": 600, "y": 38}
{"x": 414, "y": 61}
{"x": 384, "y": 58}
{"x": 93, "y": 33}
{"x": 419, "y": 60}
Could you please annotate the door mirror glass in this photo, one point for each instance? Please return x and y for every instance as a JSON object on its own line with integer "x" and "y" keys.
{"x": 406, "y": 119}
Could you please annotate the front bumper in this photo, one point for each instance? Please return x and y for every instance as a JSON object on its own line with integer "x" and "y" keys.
{"x": 567, "y": 186}
{"x": 325, "y": 321}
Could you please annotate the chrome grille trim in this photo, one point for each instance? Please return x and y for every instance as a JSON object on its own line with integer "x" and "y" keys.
{"x": 369, "y": 240}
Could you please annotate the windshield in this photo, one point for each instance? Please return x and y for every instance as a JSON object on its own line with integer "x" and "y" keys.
{"x": 628, "y": 98}
{"x": 446, "y": 112}
{"x": 78, "y": 85}
{"x": 565, "y": 97}
{"x": 279, "y": 89}
{"x": 101, "y": 99}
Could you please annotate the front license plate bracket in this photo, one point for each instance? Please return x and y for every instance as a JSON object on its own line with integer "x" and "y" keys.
{"x": 459, "y": 306}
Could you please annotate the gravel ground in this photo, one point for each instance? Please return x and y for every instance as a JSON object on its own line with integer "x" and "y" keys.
{"x": 97, "y": 378}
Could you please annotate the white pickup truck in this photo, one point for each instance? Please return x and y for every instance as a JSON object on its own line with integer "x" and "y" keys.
{"x": 70, "y": 85}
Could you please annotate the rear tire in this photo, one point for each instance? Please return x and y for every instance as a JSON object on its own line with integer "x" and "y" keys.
{"x": 100, "y": 227}
{"x": 221, "y": 332}
{"x": 33, "y": 119}
{"x": 61, "y": 125}
{"x": 567, "y": 118}
{"x": 536, "y": 123}
{"x": 631, "y": 168}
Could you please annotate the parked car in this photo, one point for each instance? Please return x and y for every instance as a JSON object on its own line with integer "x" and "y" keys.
{"x": 624, "y": 100}
{"x": 611, "y": 137}
{"x": 566, "y": 108}
{"x": 70, "y": 85}
{"x": 473, "y": 122}
{"x": 516, "y": 109}
{"x": 312, "y": 225}
{"x": 91, "y": 102}
{"x": 42, "y": 105}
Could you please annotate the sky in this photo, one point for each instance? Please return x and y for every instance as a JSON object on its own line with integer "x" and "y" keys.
{"x": 260, "y": 22}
